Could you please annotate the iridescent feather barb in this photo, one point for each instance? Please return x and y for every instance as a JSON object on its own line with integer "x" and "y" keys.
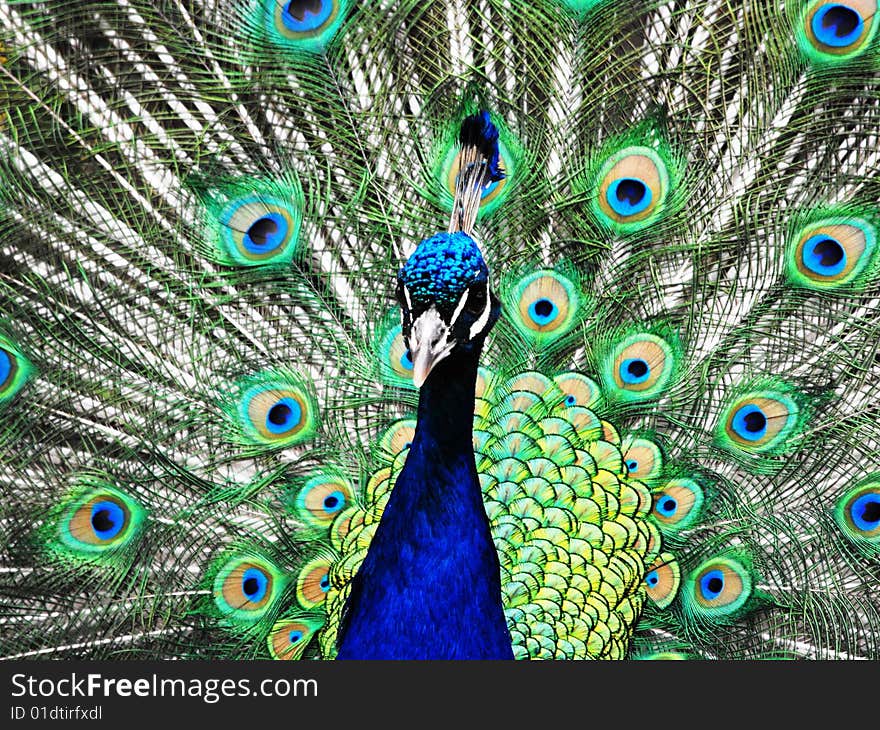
{"x": 206, "y": 394}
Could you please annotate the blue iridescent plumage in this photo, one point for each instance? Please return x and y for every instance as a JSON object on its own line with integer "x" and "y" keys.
{"x": 478, "y": 131}
{"x": 442, "y": 266}
{"x": 430, "y": 586}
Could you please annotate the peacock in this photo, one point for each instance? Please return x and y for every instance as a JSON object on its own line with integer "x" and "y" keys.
{"x": 542, "y": 329}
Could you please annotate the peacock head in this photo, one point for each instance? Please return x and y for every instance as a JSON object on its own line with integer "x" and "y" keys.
{"x": 443, "y": 290}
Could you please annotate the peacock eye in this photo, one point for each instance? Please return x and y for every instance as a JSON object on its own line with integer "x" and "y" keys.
{"x": 476, "y": 301}
{"x": 663, "y": 580}
{"x": 289, "y": 637}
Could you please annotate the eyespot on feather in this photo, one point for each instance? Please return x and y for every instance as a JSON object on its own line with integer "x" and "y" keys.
{"x": 638, "y": 367}
{"x": 253, "y": 222}
{"x": 493, "y": 195}
{"x": 395, "y": 358}
{"x": 578, "y": 389}
{"x": 857, "y": 512}
{"x": 642, "y": 458}
{"x": 677, "y": 505}
{"x": 313, "y": 583}
{"x": 260, "y": 230}
{"x": 273, "y": 409}
{"x": 300, "y": 27}
{"x": 397, "y": 437}
{"x": 760, "y": 422}
{"x": 663, "y": 580}
{"x": 834, "y": 32}
{"x": 15, "y": 370}
{"x": 718, "y": 588}
{"x": 100, "y": 519}
{"x": 323, "y": 497}
{"x": 246, "y": 587}
{"x": 544, "y": 305}
{"x": 633, "y": 188}
{"x": 530, "y": 381}
{"x": 832, "y": 253}
{"x": 289, "y": 638}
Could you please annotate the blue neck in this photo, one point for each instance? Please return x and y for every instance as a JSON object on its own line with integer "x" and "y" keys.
{"x": 429, "y": 587}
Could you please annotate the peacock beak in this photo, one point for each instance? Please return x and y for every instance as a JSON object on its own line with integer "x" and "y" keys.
{"x": 429, "y": 343}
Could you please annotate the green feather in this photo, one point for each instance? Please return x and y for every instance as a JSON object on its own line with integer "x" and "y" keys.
{"x": 15, "y": 370}
{"x": 97, "y": 524}
{"x": 271, "y": 409}
{"x": 718, "y": 589}
{"x": 203, "y": 370}
{"x": 253, "y": 223}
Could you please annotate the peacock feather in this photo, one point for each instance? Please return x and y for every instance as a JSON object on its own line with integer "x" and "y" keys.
{"x": 213, "y": 214}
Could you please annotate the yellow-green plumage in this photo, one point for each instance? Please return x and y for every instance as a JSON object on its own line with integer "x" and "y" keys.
{"x": 571, "y": 529}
